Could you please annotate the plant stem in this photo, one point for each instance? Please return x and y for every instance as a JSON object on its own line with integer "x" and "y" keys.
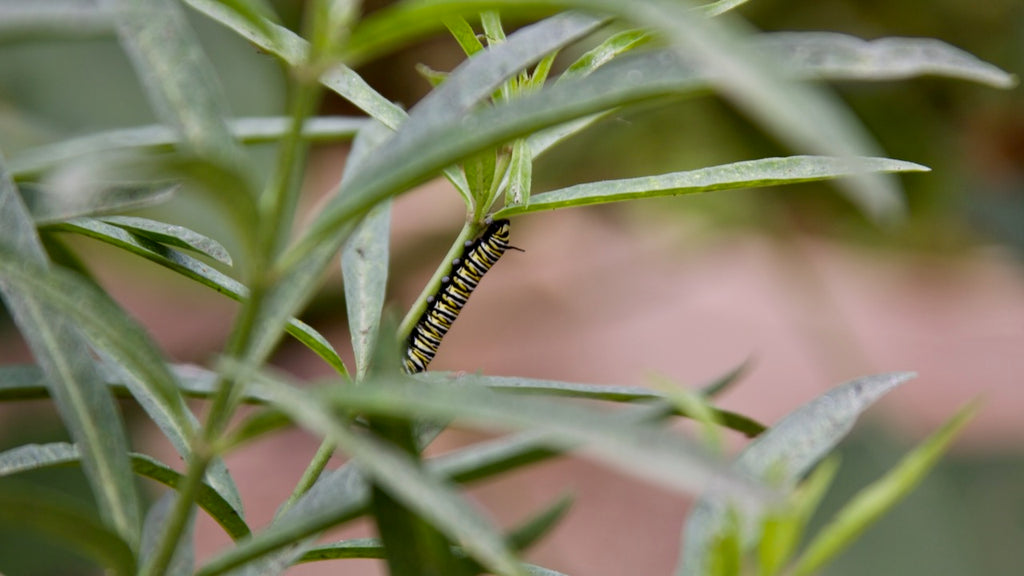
{"x": 469, "y": 231}
{"x": 178, "y": 518}
{"x": 277, "y": 206}
{"x": 309, "y": 477}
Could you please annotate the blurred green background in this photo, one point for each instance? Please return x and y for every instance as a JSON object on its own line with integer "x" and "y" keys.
{"x": 968, "y": 518}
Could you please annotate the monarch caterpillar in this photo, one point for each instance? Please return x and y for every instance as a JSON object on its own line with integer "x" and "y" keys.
{"x": 443, "y": 308}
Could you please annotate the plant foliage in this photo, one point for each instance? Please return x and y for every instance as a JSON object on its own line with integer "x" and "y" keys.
{"x": 482, "y": 127}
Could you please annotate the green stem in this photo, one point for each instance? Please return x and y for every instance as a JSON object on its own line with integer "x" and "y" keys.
{"x": 309, "y": 477}
{"x": 468, "y": 232}
{"x": 276, "y": 212}
{"x": 277, "y": 206}
{"x": 178, "y": 519}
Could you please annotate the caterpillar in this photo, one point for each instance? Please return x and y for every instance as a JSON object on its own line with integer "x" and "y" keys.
{"x": 443, "y": 308}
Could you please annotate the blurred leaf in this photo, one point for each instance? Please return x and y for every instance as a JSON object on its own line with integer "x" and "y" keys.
{"x": 841, "y": 57}
{"x": 870, "y": 503}
{"x": 520, "y": 538}
{"x": 342, "y": 494}
{"x": 353, "y": 548}
{"x": 783, "y": 455}
{"x": 611, "y": 48}
{"x": 108, "y": 328}
{"x": 541, "y": 523}
{"x": 520, "y": 174}
{"x": 67, "y": 523}
{"x": 40, "y": 456}
{"x": 747, "y": 174}
{"x": 337, "y": 497}
{"x": 434, "y": 77}
{"x": 257, "y": 13}
{"x": 783, "y": 529}
{"x": 471, "y": 83}
{"x": 364, "y": 267}
{"x": 287, "y": 296}
{"x": 183, "y": 561}
{"x": 26, "y": 382}
{"x": 637, "y": 448}
{"x": 534, "y": 570}
{"x": 155, "y": 137}
{"x": 696, "y": 406}
{"x": 172, "y": 235}
{"x": 721, "y": 6}
{"x": 86, "y": 407}
{"x": 605, "y": 52}
{"x": 399, "y": 475}
{"x": 55, "y": 204}
{"x": 53, "y": 20}
{"x": 292, "y": 49}
{"x": 800, "y": 115}
{"x": 726, "y": 554}
{"x": 464, "y": 34}
{"x": 178, "y": 425}
{"x": 611, "y": 393}
{"x": 179, "y": 80}
{"x": 200, "y": 272}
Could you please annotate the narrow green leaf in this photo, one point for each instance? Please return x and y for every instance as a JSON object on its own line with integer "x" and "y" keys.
{"x": 872, "y": 502}
{"x": 40, "y": 456}
{"x": 637, "y": 448}
{"x": 54, "y": 204}
{"x": 800, "y": 115}
{"x": 721, "y": 6}
{"x": 66, "y": 522}
{"x": 354, "y": 548}
{"x": 611, "y": 393}
{"x": 782, "y": 530}
{"x": 178, "y": 424}
{"x": 364, "y": 268}
{"x": 395, "y": 472}
{"x": 183, "y": 561}
{"x": 726, "y": 554}
{"x": 338, "y": 496}
{"x": 257, "y": 13}
{"x": 842, "y": 57}
{"x": 490, "y": 21}
{"x": 464, "y": 34}
{"x": 521, "y": 537}
{"x": 479, "y": 170}
{"x": 611, "y": 48}
{"x": 155, "y": 137}
{"x": 470, "y": 84}
{"x": 725, "y": 381}
{"x": 434, "y": 77}
{"x": 478, "y": 78}
{"x": 292, "y": 49}
{"x": 520, "y": 174}
{"x": 53, "y": 20}
{"x": 540, "y": 524}
{"x": 198, "y": 271}
{"x": 172, "y": 235}
{"x": 614, "y": 46}
{"x": 747, "y": 174}
{"x": 86, "y": 407}
{"x": 114, "y": 333}
{"x": 697, "y": 407}
{"x": 783, "y": 455}
{"x": 540, "y": 73}
{"x": 341, "y": 495}
{"x": 286, "y": 297}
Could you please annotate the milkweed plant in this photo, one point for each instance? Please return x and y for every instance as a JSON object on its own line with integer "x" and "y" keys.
{"x": 481, "y": 127}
